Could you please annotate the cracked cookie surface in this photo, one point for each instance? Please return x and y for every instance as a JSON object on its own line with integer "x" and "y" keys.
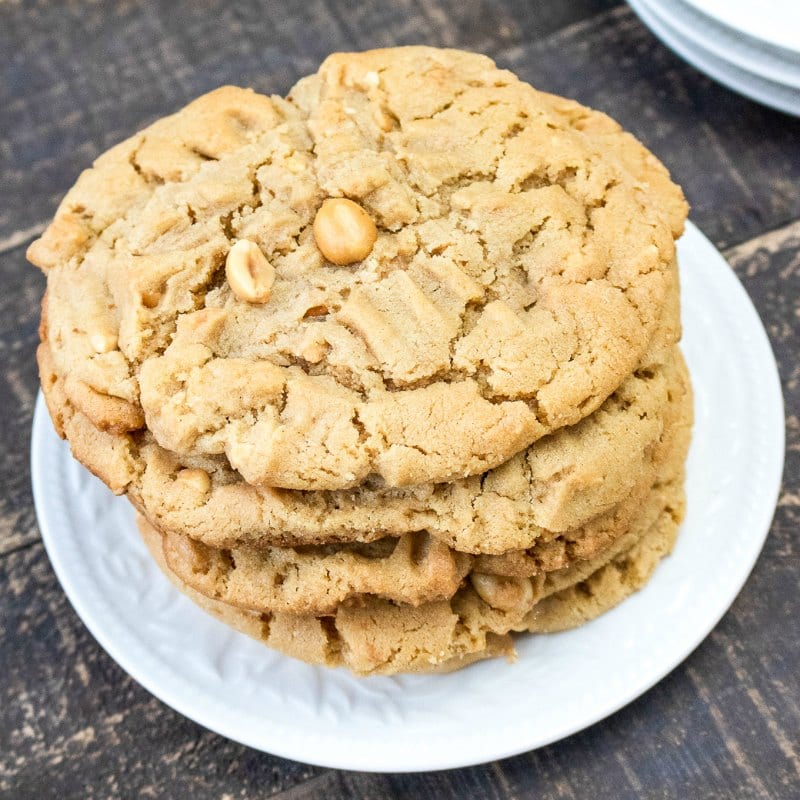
{"x": 381, "y": 637}
{"x": 415, "y": 567}
{"x": 522, "y": 260}
{"x": 560, "y": 483}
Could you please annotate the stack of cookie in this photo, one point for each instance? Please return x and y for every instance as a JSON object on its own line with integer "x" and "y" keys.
{"x": 388, "y": 367}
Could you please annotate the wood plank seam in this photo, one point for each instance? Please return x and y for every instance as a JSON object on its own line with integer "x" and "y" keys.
{"x": 782, "y": 232}
{"x": 20, "y": 238}
{"x": 20, "y": 547}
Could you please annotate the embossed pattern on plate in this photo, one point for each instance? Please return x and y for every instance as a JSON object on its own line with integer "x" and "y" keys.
{"x": 561, "y": 683}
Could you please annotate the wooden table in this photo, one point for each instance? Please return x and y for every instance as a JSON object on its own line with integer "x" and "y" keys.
{"x": 78, "y": 77}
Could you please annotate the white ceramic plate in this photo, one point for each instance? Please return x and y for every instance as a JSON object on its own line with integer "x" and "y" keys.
{"x": 770, "y": 93}
{"x": 776, "y": 22}
{"x": 727, "y": 44}
{"x": 561, "y": 683}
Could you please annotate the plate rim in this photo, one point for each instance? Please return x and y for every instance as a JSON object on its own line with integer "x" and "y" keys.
{"x": 727, "y": 44}
{"x": 741, "y": 81}
{"x": 344, "y": 759}
{"x": 736, "y": 22}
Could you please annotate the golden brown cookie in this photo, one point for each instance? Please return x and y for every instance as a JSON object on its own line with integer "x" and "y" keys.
{"x": 315, "y": 579}
{"x": 414, "y": 568}
{"x": 557, "y": 485}
{"x": 501, "y": 269}
{"x": 380, "y": 637}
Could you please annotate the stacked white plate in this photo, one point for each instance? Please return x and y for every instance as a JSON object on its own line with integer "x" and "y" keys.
{"x": 750, "y": 47}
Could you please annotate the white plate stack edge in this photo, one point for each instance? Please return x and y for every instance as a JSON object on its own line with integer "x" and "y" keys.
{"x": 752, "y": 48}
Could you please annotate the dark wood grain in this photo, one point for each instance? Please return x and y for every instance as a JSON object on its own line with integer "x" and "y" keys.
{"x": 77, "y": 77}
{"x": 19, "y": 320}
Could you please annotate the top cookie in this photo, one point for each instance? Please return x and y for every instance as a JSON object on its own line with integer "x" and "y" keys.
{"x": 500, "y": 271}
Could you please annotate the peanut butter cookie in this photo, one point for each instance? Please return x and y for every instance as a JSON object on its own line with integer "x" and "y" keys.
{"x": 381, "y": 637}
{"x": 414, "y": 568}
{"x": 559, "y": 484}
{"x": 408, "y": 271}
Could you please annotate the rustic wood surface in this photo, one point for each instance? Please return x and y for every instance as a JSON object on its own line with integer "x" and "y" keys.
{"x": 77, "y": 77}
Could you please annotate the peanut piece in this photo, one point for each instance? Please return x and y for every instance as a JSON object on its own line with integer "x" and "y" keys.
{"x": 313, "y": 347}
{"x": 249, "y": 274}
{"x": 296, "y": 165}
{"x": 103, "y": 342}
{"x": 382, "y": 120}
{"x": 196, "y": 479}
{"x": 503, "y": 593}
{"x": 344, "y": 232}
{"x": 151, "y": 299}
{"x": 205, "y": 323}
{"x": 316, "y": 311}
